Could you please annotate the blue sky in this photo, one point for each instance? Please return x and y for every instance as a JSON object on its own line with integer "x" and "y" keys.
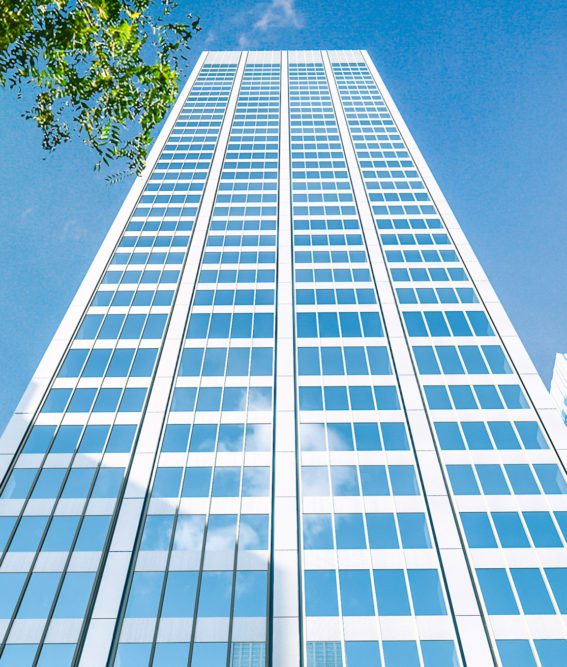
{"x": 481, "y": 85}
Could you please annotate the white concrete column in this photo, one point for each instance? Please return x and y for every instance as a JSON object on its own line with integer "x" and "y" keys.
{"x": 286, "y": 649}
{"x": 99, "y": 636}
{"x": 475, "y": 644}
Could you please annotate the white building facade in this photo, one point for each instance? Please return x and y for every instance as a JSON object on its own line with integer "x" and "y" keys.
{"x": 558, "y": 389}
{"x": 286, "y": 420}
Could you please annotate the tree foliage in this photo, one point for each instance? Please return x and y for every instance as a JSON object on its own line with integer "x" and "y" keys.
{"x": 107, "y": 70}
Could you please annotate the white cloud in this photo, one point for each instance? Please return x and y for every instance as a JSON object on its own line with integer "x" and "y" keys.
{"x": 267, "y": 19}
{"x": 279, "y": 14}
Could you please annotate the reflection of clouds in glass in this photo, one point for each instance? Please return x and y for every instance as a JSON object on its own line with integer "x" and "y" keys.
{"x": 230, "y": 438}
{"x": 189, "y": 533}
{"x": 260, "y": 398}
{"x": 256, "y": 481}
{"x": 312, "y": 437}
{"x": 253, "y": 531}
{"x": 315, "y": 526}
{"x": 340, "y": 437}
{"x": 157, "y": 532}
{"x": 344, "y": 479}
{"x": 221, "y": 533}
{"x": 314, "y": 481}
{"x": 258, "y": 437}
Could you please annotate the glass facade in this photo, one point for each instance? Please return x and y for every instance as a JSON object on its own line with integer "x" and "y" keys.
{"x": 286, "y": 420}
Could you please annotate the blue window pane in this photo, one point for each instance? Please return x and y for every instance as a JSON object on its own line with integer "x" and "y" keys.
{"x": 551, "y": 478}
{"x": 157, "y": 532}
{"x": 121, "y": 439}
{"x": 92, "y": 534}
{"x": 542, "y": 529}
{"x": 29, "y": 533}
{"x": 230, "y": 437}
{"x": 510, "y": 530}
{"x": 350, "y": 531}
{"x": 183, "y": 399}
{"x": 189, "y": 532}
{"x": 61, "y": 533}
{"x": 18, "y": 655}
{"x": 74, "y": 595}
{"x": 426, "y": 593}
{"x": 439, "y": 653}
{"x": 414, "y": 531}
{"x": 310, "y": 398}
{"x": 39, "y": 595}
{"x": 56, "y": 655}
{"x": 197, "y": 483}
{"x": 176, "y": 438}
{"x": 379, "y": 361}
{"x": 166, "y": 483}
{"x": 367, "y": 437}
{"x": 11, "y": 585}
{"x": 476, "y": 435}
{"x": 56, "y": 400}
{"x": 400, "y": 654}
{"x": 48, "y": 483}
{"x": 133, "y": 655}
{"x": 362, "y": 654}
{"x": 250, "y": 595}
{"x": 317, "y": 531}
{"x": 7, "y": 523}
{"x": 179, "y": 598}
{"x": 203, "y": 438}
{"x": 462, "y": 480}
{"x": 478, "y": 530}
{"x": 108, "y": 483}
{"x": 323, "y": 654}
{"x": 374, "y": 481}
{"x": 394, "y": 436}
{"x": 335, "y": 398}
{"x": 515, "y": 653}
{"x": 215, "y": 594}
{"x": 171, "y": 654}
{"x": 209, "y": 654}
{"x": 404, "y": 481}
{"x": 256, "y": 481}
{"x": 496, "y": 591}
{"x": 253, "y": 532}
{"x": 344, "y": 481}
{"x": 391, "y": 593}
{"x": 503, "y": 435}
{"x": 39, "y": 439}
{"x": 521, "y": 478}
{"x": 19, "y": 483}
{"x": 532, "y": 591}
{"x": 557, "y": 577}
{"x": 437, "y": 397}
{"x": 492, "y": 479}
{"x": 93, "y": 439}
{"x": 321, "y": 593}
{"x": 356, "y": 593}
{"x": 339, "y": 437}
{"x": 551, "y": 652}
{"x": 315, "y": 481}
{"x": 382, "y": 531}
{"x": 226, "y": 483}
{"x": 426, "y": 361}
{"x": 531, "y": 435}
{"x": 144, "y": 595}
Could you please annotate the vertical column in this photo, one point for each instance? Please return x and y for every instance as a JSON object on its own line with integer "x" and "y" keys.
{"x": 470, "y": 624}
{"x": 104, "y": 618}
{"x": 39, "y": 384}
{"x": 524, "y": 366}
{"x": 285, "y": 568}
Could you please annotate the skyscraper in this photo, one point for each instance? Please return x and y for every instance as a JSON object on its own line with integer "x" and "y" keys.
{"x": 285, "y": 420}
{"x": 558, "y": 389}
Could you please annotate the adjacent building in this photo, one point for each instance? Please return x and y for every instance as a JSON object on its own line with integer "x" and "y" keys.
{"x": 558, "y": 389}
{"x": 286, "y": 420}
